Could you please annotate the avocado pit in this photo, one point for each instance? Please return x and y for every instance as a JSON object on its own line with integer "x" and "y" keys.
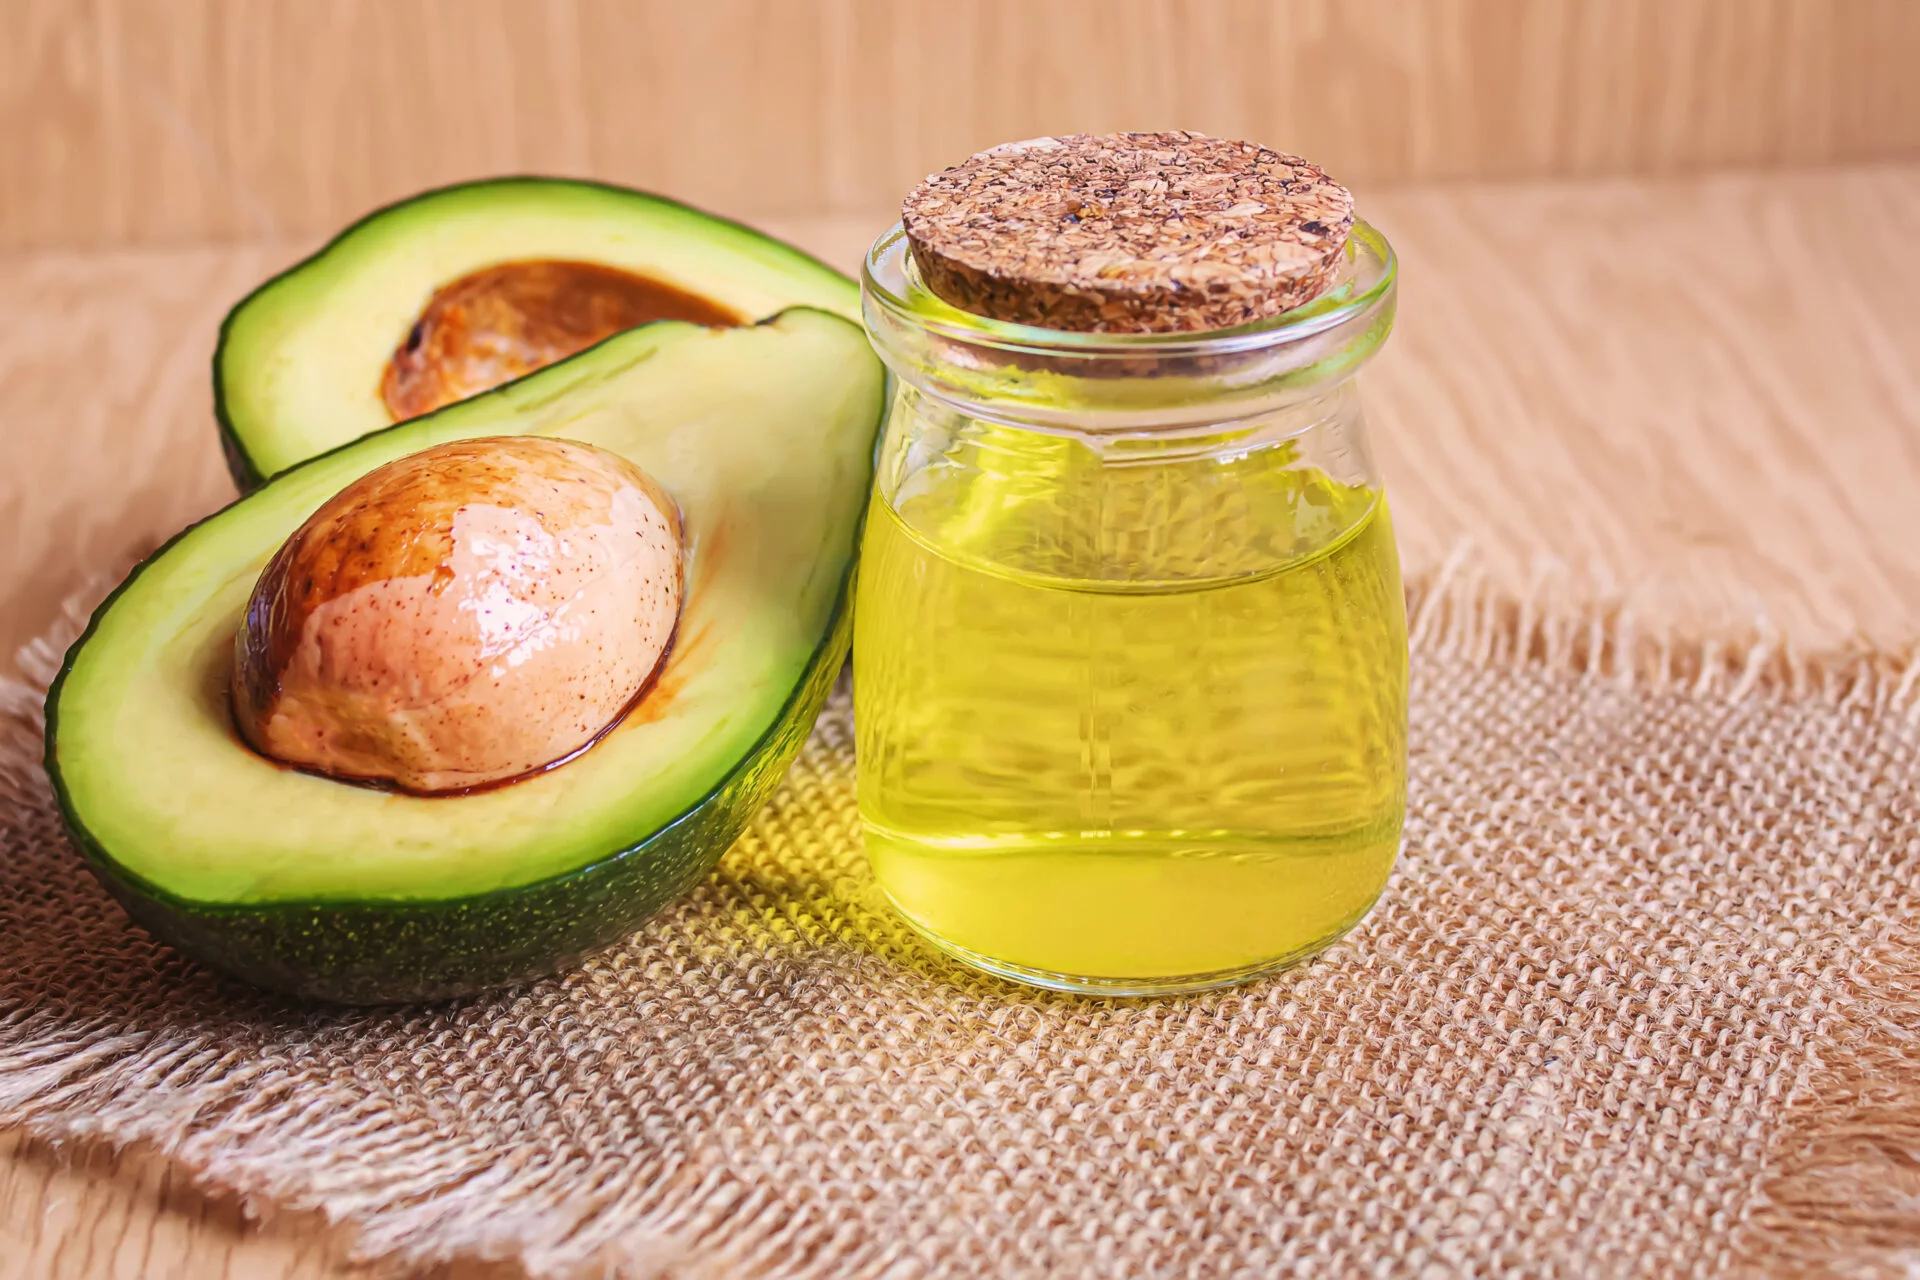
{"x": 505, "y": 321}
{"x": 463, "y": 616}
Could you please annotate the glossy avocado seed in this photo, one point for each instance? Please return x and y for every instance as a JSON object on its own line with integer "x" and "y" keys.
{"x": 465, "y": 615}
{"x": 503, "y": 322}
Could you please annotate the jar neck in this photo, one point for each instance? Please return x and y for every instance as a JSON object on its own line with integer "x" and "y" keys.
{"x": 1095, "y": 384}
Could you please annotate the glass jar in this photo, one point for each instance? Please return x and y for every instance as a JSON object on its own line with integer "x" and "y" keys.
{"x": 1130, "y": 654}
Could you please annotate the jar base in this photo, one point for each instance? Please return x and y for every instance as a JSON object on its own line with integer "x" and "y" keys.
{"x": 1122, "y": 988}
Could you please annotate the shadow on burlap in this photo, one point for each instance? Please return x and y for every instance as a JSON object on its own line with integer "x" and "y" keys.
{"x": 1641, "y": 999}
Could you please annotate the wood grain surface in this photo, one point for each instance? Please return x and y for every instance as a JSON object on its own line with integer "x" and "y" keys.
{"x": 1585, "y": 376}
{"x": 171, "y": 121}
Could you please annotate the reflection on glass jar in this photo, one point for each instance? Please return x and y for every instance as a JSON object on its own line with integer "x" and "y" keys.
{"x": 1130, "y": 646}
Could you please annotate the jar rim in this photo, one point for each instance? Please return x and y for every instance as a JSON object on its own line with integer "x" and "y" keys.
{"x": 1370, "y": 274}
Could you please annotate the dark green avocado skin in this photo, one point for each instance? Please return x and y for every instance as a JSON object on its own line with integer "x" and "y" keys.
{"x": 391, "y": 952}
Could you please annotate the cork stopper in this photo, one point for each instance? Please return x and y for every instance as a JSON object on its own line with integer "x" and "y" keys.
{"x": 1128, "y": 232}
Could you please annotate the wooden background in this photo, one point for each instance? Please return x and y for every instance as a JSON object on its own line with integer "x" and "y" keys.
{"x": 162, "y": 121}
{"x": 1659, "y": 339}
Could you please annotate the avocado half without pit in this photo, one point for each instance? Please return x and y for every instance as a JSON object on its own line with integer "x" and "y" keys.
{"x": 454, "y": 292}
{"x": 470, "y": 697}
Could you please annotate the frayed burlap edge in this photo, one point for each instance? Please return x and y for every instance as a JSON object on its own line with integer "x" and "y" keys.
{"x": 1837, "y": 1194}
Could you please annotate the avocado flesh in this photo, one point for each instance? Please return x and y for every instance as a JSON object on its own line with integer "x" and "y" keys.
{"x": 763, "y": 435}
{"x": 300, "y": 360}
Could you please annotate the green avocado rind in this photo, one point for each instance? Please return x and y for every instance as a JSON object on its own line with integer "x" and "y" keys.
{"x": 392, "y": 952}
{"x": 815, "y": 279}
{"x": 377, "y": 948}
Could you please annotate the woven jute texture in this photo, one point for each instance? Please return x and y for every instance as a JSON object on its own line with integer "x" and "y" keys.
{"x": 1640, "y": 1000}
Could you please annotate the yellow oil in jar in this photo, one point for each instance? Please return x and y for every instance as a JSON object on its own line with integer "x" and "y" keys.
{"x": 1186, "y": 771}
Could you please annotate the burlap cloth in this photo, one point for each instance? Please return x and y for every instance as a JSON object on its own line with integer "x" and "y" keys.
{"x": 1641, "y": 999}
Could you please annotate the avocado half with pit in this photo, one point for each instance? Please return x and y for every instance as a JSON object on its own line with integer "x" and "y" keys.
{"x": 458, "y": 290}
{"x": 764, "y": 437}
